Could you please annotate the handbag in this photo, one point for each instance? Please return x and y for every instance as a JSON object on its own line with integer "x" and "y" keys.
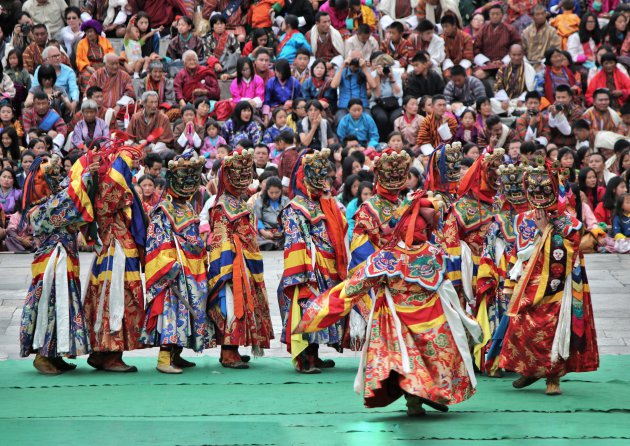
{"x": 389, "y": 103}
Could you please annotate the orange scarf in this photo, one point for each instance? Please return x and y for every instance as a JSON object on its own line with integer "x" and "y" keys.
{"x": 336, "y": 231}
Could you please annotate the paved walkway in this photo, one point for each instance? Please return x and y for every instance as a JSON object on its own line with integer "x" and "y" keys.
{"x": 608, "y": 274}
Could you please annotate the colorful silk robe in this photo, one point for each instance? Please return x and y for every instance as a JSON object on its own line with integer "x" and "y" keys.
{"x": 53, "y": 321}
{"x": 309, "y": 270}
{"x": 114, "y": 302}
{"x": 428, "y": 356}
{"x": 492, "y": 302}
{"x": 551, "y": 330}
{"x": 176, "y": 281}
{"x": 464, "y": 232}
{"x": 238, "y": 303}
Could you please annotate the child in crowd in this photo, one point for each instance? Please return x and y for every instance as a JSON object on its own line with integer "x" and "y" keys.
{"x": 279, "y": 118}
{"x": 300, "y": 69}
{"x": 185, "y": 40}
{"x": 360, "y": 124}
{"x": 212, "y": 142}
{"x": 467, "y": 132}
{"x": 621, "y": 224}
{"x": 132, "y": 43}
{"x": 223, "y": 150}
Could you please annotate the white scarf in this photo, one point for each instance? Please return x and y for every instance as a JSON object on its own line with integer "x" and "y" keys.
{"x": 337, "y": 40}
{"x": 323, "y": 130}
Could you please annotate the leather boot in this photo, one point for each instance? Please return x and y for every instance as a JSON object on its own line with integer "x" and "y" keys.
{"x": 46, "y": 366}
{"x": 166, "y": 364}
{"x": 63, "y": 365}
{"x": 320, "y": 363}
{"x": 553, "y": 387}
{"x": 414, "y": 406}
{"x": 180, "y": 362}
{"x": 113, "y": 362}
{"x": 305, "y": 362}
{"x": 96, "y": 360}
{"x": 524, "y": 381}
{"x": 230, "y": 358}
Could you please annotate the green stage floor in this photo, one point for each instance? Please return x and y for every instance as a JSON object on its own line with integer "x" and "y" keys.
{"x": 270, "y": 404}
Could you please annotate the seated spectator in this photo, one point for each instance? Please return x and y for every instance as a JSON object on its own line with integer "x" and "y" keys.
{"x": 300, "y": 68}
{"x": 463, "y": 88}
{"x": 409, "y": 123}
{"x": 33, "y": 53}
{"x": 467, "y": 132}
{"x": 242, "y": 125}
{"x": 591, "y": 192}
{"x": 361, "y": 14}
{"x": 26, "y": 160}
{"x": 610, "y": 76}
{"x": 20, "y": 40}
{"x": 195, "y": 81}
{"x": 352, "y": 79}
{"x": 20, "y": 77}
{"x": 267, "y": 210}
{"x": 318, "y": 86}
{"x": 583, "y": 44}
{"x": 19, "y": 235}
{"x": 49, "y": 13}
{"x": 59, "y": 99}
{"x": 189, "y": 133}
{"x": 247, "y": 86}
{"x": 621, "y": 224}
{"x": 349, "y": 190}
{"x": 314, "y": 130}
{"x": 279, "y": 118}
{"x": 539, "y": 37}
{"x": 600, "y": 115}
{"x": 325, "y": 41}
{"x": 150, "y": 39}
{"x": 71, "y": 34}
{"x": 223, "y": 45}
{"x": 42, "y": 117}
{"x": 259, "y": 39}
{"x": 148, "y": 120}
{"x": 458, "y": 45}
{"x": 291, "y": 40}
{"x": 91, "y": 51}
{"x": 566, "y": 23}
{"x": 65, "y": 76}
{"x": 360, "y": 124}
{"x": 283, "y": 88}
{"x": 157, "y": 81}
{"x": 185, "y": 40}
{"x": 437, "y": 127}
{"x": 151, "y": 165}
{"x": 10, "y": 144}
{"x": 562, "y": 115}
{"x": 262, "y": 65}
{"x": 90, "y": 127}
{"x": 597, "y": 162}
{"x": 285, "y": 156}
{"x": 604, "y": 210}
{"x": 533, "y": 124}
{"x": 212, "y": 142}
{"x": 424, "y": 39}
{"x": 386, "y": 102}
{"x": 96, "y": 94}
{"x": 422, "y": 80}
{"x": 262, "y": 156}
{"x": 364, "y": 192}
{"x": 114, "y": 82}
{"x": 136, "y": 62}
{"x": 614, "y": 34}
{"x": 9, "y": 193}
{"x": 149, "y": 196}
{"x": 557, "y": 72}
{"x": 515, "y": 78}
{"x": 493, "y": 42}
{"x": 495, "y": 134}
{"x": 363, "y": 42}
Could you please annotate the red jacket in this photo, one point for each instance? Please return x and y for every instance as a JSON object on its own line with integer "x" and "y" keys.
{"x": 622, "y": 82}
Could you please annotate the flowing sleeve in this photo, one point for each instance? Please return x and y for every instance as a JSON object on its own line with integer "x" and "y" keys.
{"x": 222, "y": 252}
{"x": 298, "y": 266}
{"x": 334, "y": 304}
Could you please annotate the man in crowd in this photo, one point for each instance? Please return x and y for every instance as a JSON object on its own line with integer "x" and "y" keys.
{"x": 66, "y": 77}
{"x": 396, "y": 45}
{"x": 114, "y": 82}
{"x": 597, "y": 162}
{"x": 422, "y": 80}
{"x": 495, "y": 134}
{"x": 532, "y": 125}
{"x": 613, "y": 79}
{"x": 49, "y": 13}
{"x": 362, "y": 41}
{"x": 261, "y": 65}
{"x": 562, "y": 115}
{"x": 425, "y": 39}
{"x": 195, "y": 81}
{"x": 494, "y": 42}
{"x": 458, "y": 45}
{"x": 600, "y": 115}
{"x": 352, "y": 79}
{"x": 148, "y": 120}
{"x": 539, "y": 37}
{"x": 326, "y": 42}
{"x": 437, "y": 127}
{"x": 463, "y": 88}
{"x": 33, "y": 53}
{"x": 42, "y": 117}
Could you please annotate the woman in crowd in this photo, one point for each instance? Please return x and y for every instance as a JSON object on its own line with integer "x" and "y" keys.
{"x": 386, "y": 100}
{"x": 349, "y": 190}
{"x": 583, "y": 44}
{"x": 317, "y": 86}
{"x": 20, "y": 77}
{"x": 314, "y": 130}
{"x": 615, "y": 32}
{"x": 296, "y": 114}
{"x": 242, "y": 125}
{"x": 89, "y": 128}
{"x": 267, "y": 210}
{"x": 59, "y": 99}
{"x": 360, "y": 124}
{"x": 185, "y": 40}
{"x": 363, "y": 193}
{"x": 259, "y": 39}
{"x": 223, "y": 45}
{"x": 247, "y": 86}
{"x": 71, "y": 34}
{"x": 10, "y": 144}
{"x": 409, "y": 123}
{"x": 90, "y": 52}
{"x": 149, "y": 197}
{"x": 591, "y": 193}
{"x": 9, "y": 192}
{"x": 283, "y": 88}
{"x": 151, "y": 45}
{"x": 474, "y": 27}
{"x": 604, "y": 210}
{"x": 557, "y": 71}
{"x": 291, "y": 40}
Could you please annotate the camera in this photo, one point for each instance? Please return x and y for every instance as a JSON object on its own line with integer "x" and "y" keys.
{"x": 559, "y": 107}
{"x": 532, "y": 112}
{"x": 26, "y": 28}
{"x": 354, "y": 62}
{"x": 386, "y": 71}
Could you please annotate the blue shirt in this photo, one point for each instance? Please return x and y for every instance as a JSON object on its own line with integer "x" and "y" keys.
{"x": 277, "y": 94}
{"x": 66, "y": 79}
{"x": 363, "y": 128}
{"x": 289, "y": 49}
{"x": 352, "y": 85}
